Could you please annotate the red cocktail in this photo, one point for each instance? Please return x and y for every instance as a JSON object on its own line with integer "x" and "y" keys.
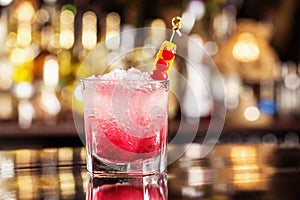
{"x": 126, "y": 126}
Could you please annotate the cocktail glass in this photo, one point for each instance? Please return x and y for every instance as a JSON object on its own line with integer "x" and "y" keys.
{"x": 125, "y": 125}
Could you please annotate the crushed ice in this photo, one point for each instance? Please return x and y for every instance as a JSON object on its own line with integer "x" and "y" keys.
{"x": 131, "y": 74}
{"x": 134, "y": 79}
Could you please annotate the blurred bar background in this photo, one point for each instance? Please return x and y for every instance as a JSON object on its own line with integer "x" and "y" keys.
{"x": 255, "y": 45}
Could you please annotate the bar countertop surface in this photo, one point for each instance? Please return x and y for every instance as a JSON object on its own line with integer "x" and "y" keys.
{"x": 229, "y": 171}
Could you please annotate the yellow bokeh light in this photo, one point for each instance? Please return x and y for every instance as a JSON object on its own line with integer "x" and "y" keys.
{"x": 159, "y": 23}
{"x": 113, "y": 22}
{"x": 112, "y": 40}
{"x": 26, "y": 113}
{"x": 42, "y": 16}
{"x": 24, "y": 34}
{"x": 22, "y": 59}
{"x": 18, "y": 56}
{"x": 55, "y": 41}
{"x": 64, "y": 58}
{"x": 89, "y": 21}
{"x": 23, "y": 90}
{"x": 22, "y": 75}
{"x": 25, "y": 12}
{"x": 89, "y": 39}
{"x": 89, "y": 30}
{"x": 51, "y": 71}
{"x": 67, "y": 18}
{"x": 66, "y": 38}
{"x": 11, "y": 40}
{"x": 246, "y": 48}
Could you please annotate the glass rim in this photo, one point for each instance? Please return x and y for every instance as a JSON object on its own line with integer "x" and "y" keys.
{"x": 89, "y": 79}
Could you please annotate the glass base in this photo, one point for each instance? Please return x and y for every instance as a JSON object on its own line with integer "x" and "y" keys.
{"x": 100, "y": 167}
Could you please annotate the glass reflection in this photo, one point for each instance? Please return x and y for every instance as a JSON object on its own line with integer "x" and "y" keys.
{"x": 191, "y": 177}
{"x": 129, "y": 187}
{"x": 6, "y": 166}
